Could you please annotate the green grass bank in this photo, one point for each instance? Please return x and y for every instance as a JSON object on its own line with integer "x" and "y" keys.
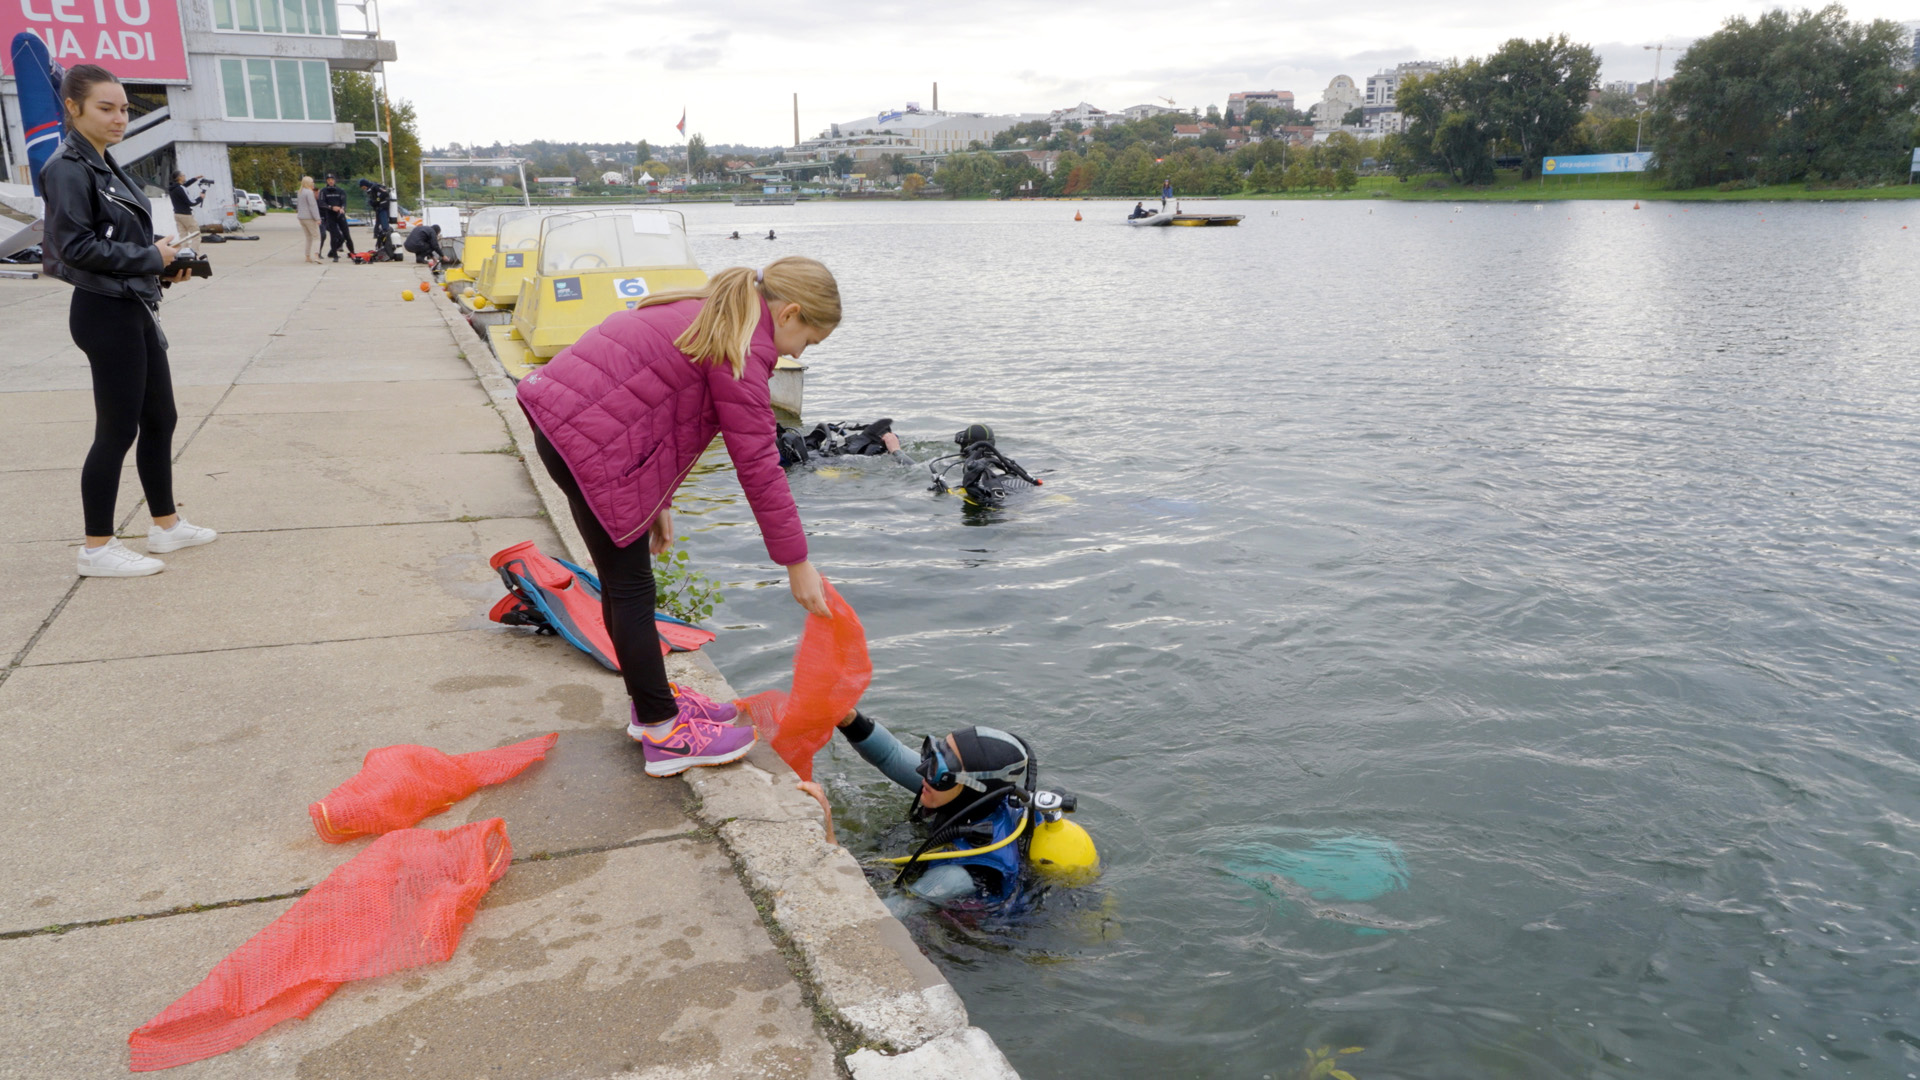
{"x": 1508, "y": 187}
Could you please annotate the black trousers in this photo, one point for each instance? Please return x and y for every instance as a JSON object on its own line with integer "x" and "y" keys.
{"x": 336, "y": 226}
{"x": 132, "y": 404}
{"x": 626, "y": 597}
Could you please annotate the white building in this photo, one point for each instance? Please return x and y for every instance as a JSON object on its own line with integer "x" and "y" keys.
{"x": 1384, "y": 88}
{"x": 1273, "y": 99}
{"x": 1381, "y": 103}
{"x": 925, "y": 132}
{"x": 1141, "y": 112}
{"x": 1341, "y": 97}
{"x": 1087, "y": 116}
{"x": 212, "y": 73}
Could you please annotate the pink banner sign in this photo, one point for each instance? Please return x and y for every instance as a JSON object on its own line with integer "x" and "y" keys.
{"x": 138, "y": 40}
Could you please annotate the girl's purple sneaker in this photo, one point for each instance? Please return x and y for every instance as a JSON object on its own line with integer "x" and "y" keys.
{"x": 695, "y": 705}
{"x": 694, "y": 742}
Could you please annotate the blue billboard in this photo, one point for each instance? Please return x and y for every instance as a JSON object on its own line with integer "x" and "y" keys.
{"x": 1588, "y": 164}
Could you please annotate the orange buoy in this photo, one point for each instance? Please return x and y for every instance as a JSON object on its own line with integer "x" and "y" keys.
{"x": 1636, "y": 206}
{"x": 1076, "y": 215}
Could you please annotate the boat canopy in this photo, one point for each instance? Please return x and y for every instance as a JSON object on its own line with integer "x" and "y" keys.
{"x": 486, "y": 220}
{"x": 520, "y": 228}
{"x": 621, "y": 238}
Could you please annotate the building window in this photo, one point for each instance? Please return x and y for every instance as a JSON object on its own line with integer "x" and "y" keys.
{"x": 276, "y": 89}
{"x": 277, "y": 16}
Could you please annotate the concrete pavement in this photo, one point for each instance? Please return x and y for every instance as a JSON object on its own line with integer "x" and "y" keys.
{"x": 166, "y": 734}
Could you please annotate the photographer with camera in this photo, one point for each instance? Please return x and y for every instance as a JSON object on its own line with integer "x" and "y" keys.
{"x": 184, "y": 225}
{"x": 100, "y": 239}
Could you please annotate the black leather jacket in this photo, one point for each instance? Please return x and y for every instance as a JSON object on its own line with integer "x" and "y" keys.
{"x": 99, "y": 230}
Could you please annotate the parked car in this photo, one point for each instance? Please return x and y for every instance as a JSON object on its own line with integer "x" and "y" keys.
{"x": 248, "y": 201}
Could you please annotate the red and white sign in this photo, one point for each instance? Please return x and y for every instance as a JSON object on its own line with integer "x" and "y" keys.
{"x": 138, "y": 40}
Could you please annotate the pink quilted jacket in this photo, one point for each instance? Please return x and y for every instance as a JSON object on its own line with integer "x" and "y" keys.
{"x": 631, "y": 414}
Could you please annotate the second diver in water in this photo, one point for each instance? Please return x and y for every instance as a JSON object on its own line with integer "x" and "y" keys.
{"x": 987, "y": 475}
{"x": 850, "y": 439}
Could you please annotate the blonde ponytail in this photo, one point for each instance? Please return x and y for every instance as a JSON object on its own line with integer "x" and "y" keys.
{"x": 724, "y": 328}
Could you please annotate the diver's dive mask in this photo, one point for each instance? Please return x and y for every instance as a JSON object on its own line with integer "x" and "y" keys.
{"x": 940, "y": 768}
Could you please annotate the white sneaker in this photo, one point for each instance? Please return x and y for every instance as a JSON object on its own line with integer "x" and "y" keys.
{"x": 115, "y": 559}
{"x": 184, "y": 534}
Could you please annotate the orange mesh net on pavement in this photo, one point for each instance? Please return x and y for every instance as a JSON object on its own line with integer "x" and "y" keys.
{"x": 399, "y": 786}
{"x": 400, "y": 903}
{"x": 830, "y": 672}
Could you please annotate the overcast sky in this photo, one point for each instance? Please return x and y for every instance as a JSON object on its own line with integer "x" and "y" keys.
{"x": 482, "y": 70}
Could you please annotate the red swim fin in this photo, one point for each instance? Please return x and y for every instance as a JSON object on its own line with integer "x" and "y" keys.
{"x": 566, "y": 602}
{"x": 677, "y": 636}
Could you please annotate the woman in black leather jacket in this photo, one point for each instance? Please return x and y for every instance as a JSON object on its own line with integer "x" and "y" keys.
{"x": 100, "y": 240}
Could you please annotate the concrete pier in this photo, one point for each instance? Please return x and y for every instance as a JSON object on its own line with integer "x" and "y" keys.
{"x": 167, "y": 733}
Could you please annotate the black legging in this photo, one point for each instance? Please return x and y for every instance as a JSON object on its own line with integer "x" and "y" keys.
{"x": 626, "y": 597}
{"x": 337, "y": 234}
{"x": 132, "y": 397}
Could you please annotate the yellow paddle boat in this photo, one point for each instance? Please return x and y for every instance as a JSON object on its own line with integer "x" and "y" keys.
{"x": 593, "y": 263}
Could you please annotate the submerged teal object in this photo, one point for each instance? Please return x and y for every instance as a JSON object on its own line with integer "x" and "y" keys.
{"x": 1351, "y": 868}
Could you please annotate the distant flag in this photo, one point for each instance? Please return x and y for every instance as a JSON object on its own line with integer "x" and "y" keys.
{"x": 682, "y": 125}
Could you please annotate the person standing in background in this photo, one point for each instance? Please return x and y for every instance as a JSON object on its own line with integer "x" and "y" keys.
{"x": 306, "y": 207}
{"x": 100, "y": 240}
{"x": 183, "y": 222}
{"x": 333, "y": 215}
{"x": 380, "y": 201}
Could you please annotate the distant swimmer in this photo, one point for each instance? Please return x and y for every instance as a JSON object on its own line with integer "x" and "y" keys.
{"x": 770, "y": 235}
{"x": 735, "y": 236}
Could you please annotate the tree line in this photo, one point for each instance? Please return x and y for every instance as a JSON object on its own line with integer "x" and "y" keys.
{"x": 1787, "y": 97}
{"x": 1784, "y": 98}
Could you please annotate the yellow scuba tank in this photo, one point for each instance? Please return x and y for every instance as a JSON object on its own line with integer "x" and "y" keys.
{"x": 1061, "y": 850}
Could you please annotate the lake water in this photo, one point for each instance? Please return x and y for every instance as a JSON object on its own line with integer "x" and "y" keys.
{"x": 1482, "y": 635}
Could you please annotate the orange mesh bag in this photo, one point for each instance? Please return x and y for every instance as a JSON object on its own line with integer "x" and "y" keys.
{"x": 830, "y": 672}
{"x": 399, "y": 786}
{"x": 400, "y": 903}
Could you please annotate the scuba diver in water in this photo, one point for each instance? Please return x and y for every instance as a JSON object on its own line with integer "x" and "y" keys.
{"x": 977, "y": 791}
{"x": 987, "y": 474}
{"x": 851, "y": 439}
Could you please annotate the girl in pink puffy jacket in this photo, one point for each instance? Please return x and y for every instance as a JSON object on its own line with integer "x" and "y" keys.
{"x": 619, "y": 419}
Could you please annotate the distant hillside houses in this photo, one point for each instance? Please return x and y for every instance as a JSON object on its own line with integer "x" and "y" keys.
{"x": 1238, "y": 102}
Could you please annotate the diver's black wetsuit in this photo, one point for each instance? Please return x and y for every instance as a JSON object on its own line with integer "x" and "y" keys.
{"x": 940, "y": 883}
{"x": 850, "y": 439}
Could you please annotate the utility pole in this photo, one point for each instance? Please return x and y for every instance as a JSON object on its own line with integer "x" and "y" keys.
{"x": 936, "y": 97}
{"x": 796, "y": 118}
{"x": 1652, "y": 95}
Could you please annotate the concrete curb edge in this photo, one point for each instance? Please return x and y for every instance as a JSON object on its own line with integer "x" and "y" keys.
{"x": 863, "y": 966}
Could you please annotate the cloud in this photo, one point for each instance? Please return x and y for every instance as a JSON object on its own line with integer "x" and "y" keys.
{"x": 735, "y": 64}
{"x": 699, "y": 51}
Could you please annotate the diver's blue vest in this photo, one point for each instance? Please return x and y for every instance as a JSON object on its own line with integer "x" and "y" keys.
{"x": 1006, "y": 860}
